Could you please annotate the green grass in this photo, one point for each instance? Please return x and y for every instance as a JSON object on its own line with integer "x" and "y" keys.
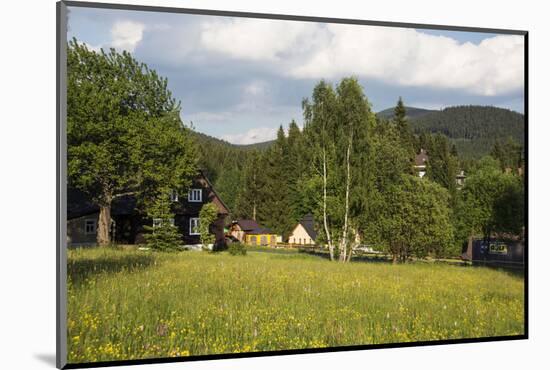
{"x": 136, "y": 304}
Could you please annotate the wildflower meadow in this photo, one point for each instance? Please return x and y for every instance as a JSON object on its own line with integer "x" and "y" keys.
{"x": 131, "y": 304}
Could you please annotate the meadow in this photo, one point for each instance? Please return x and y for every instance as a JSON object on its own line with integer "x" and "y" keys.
{"x": 130, "y": 304}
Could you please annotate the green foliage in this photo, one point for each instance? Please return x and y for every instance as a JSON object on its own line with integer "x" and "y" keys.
{"x": 412, "y": 219}
{"x": 134, "y": 304}
{"x": 509, "y": 153}
{"x": 163, "y": 235}
{"x": 337, "y": 129}
{"x": 403, "y": 127}
{"x": 442, "y": 166}
{"x": 491, "y": 201}
{"x": 237, "y": 249}
{"x": 207, "y": 216}
{"x": 249, "y": 200}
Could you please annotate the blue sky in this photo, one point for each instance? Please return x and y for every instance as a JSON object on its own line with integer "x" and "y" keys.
{"x": 239, "y": 79}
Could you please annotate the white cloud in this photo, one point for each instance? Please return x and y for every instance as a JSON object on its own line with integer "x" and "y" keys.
{"x": 257, "y": 40}
{"x": 393, "y": 55}
{"x": 125, "y": 35}
{"x": 254, "y": 135}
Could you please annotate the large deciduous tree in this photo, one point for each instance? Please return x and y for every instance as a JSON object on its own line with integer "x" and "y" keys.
{"x": 413, "y": 219}
{"x": 124, "y": 132}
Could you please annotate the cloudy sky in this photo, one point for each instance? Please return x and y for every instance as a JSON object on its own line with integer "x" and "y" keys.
{"x": 239, "y": 78}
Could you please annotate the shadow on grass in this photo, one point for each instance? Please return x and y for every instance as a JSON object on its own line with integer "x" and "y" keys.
{"x": 80, "y": 269}
{"x": 360, "y": 258}
{"x": 517, "y": 271}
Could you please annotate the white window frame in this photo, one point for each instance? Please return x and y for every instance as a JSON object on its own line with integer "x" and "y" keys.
{"x": 93, "y": 222}
{"x": 192, "y": 195}
{"x": 195, "y": 220}
{"x": 173, "y": 196}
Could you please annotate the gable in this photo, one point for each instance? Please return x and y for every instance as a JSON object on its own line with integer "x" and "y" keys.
{"x": 300, "y": 232}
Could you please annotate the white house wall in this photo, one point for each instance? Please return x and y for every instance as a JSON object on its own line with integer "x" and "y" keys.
{"x": 300, "y": 236}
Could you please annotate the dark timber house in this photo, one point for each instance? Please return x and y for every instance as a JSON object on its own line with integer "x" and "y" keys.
{"x": 127, "y": 222}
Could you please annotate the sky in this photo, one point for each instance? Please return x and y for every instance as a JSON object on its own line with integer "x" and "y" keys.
{"x": 239, "y": 79}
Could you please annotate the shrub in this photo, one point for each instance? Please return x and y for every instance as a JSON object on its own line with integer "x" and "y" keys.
{"x": 236, "y": 249}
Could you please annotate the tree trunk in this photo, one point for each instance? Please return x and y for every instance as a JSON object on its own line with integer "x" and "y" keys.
{"x": 325, "y": 221}
{"x": 353, "y": 244}
{"x": 104, "y": 224}
{"x": 344, "y": 242}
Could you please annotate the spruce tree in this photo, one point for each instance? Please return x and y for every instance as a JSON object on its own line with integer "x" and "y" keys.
{"x": 404, "y": 129}
{"x": 163, "y": 235}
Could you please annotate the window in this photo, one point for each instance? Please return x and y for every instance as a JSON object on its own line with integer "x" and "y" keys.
{"x": 174, "y": 196}
{"x": 90, "y": 226}
{"x": 195, "y": 195}
{"x": 194, "y": 226}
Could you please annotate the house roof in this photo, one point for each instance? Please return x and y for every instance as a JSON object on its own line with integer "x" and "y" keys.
{"x": 261, "y": 230}
{"x": 309, "y": 224}
{"x": 247, "y": 225}
{"x": 421, "y": 158}
{"x": 252, "y": 227}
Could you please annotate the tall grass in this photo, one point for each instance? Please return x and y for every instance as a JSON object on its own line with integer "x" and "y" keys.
{"x": 134, "y": 304}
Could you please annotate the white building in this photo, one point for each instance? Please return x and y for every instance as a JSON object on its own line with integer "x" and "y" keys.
{"x": 304, "y": 232}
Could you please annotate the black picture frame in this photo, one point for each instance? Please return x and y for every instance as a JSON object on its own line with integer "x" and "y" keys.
{"x": 61, "y": 175}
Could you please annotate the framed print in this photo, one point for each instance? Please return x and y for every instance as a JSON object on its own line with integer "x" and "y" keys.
{"x": 241, "y": 184}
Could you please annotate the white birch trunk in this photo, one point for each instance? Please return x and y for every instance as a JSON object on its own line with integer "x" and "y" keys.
{"x": 325, "y": 221}
{"x": 344, "y": 240}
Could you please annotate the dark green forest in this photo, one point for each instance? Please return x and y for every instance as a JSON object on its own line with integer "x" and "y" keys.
{"x": 472, "y": 129}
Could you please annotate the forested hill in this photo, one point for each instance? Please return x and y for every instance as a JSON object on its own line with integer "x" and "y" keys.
{"x": 412, "y": 112}
{"x": 473, "y": 129}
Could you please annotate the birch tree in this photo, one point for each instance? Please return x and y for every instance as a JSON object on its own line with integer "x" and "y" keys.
{"x": 337, "y": 124}
{"x": 319, "y": 122}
